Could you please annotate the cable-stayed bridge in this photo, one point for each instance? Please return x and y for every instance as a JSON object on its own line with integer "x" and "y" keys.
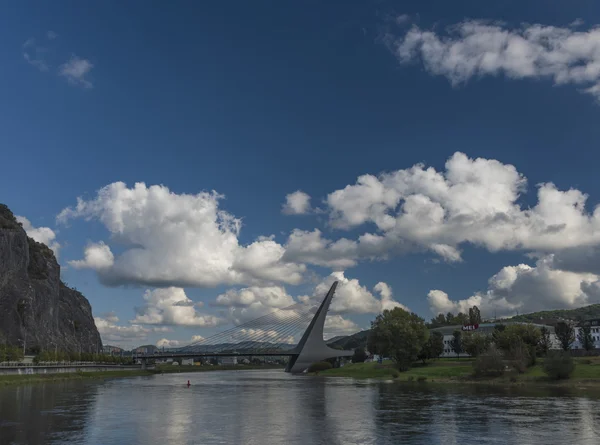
{"x": 270, "y": 335}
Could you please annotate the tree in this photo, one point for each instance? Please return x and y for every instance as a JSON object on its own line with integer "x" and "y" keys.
{"x": 456, "y": 343}
{"x": 475, "y": 344}
{"x": 474, "y": 315}
{"x": 565, "y": 333}
{"x": 433, "y": 348}
{"x": 359, "y": 355}
{"x": 545, "y": 343}
{"x": 399, "y": 335}
{"x": 585, "y": 337}
{"x": 519, "y": 342}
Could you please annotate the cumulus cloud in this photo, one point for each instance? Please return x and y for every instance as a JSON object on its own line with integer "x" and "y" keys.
{"x": 51, "y": 35}
{"x": 297, "y": 203}
{"x": 523, "y": 289}
{"x": 338, "y": 325}
{"x": 176, "y": 240}
{"x": 113, "y": 333}
{"x": 474, "y": 201}
{"x": 165, "y": 343}
{"x": 44, "y": 235}
{"x": 97, "y": 256}
{"x": 476, "y": 48}
{"x": 353, "y": 298}
{"x": 76, "y": 71}
{"x": 171, "y": 306}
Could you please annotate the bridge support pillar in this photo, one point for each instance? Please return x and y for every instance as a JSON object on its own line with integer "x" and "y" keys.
{"x": 312, "y": 348}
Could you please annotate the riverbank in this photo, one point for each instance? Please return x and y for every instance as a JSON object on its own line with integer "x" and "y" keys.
{"x": 586, "y": 374}
{"x": 170, "y": 369}
{"x": 21, "y": 379}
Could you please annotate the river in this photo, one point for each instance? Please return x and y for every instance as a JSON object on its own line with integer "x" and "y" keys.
{"x": 273, "y": 408}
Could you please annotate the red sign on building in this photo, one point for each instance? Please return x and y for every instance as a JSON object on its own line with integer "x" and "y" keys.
{"x": 470, "y": 327}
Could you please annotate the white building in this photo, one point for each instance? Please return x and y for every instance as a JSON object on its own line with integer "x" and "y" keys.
{"x": 595, "y": 332}
{"x": 486, "y": 329}
{"x": 229, "y": 360}
{"x": 187, "y": 361}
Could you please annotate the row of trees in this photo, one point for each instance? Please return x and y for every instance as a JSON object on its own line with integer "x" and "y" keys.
{"x": 10, "y": 353}
{"x": 405, "y": 338}
{"x": 473, "y": 317}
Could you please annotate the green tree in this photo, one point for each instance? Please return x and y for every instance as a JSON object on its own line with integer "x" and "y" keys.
{"x": 474, "y": 315}
{"x": 519, "y": 342}
{"x": 565, "y": 333}
{"x": 475, "y": 344}
{"x": 545, "y": 343}
{"x": 399, "y": 335}
{"x": 456, "y": 343}
{"x": 359, "y": 355}
{"x": 585, "y": 337}
{"x": 433, "y": 347}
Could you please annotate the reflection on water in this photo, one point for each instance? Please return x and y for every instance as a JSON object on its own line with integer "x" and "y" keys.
{"x": 271, "y": 407}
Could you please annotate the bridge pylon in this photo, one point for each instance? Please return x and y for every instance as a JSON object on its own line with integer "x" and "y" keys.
{"x": 312, "y": 347}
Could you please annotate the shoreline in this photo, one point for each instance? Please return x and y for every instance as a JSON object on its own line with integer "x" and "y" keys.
{"x": 24, "y": 379}
{"x": 459, "y": 372}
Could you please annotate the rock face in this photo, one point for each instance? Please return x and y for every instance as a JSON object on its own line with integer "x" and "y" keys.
{"x": 35, "y": 305}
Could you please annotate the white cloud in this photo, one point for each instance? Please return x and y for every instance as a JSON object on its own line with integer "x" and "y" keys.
{"x": 165, "y": 343}
{"x": 477, "y": 48}
{"x": 524, "y": 289}
{"x": 196, "y": 338}
{"x": 171, "y": 306}
{"x": 35, "y": 55}
{"x": 338, "y": 325}
{"x": 51, "y": 35}
{"x": 44, "y": 235}
{"x": 177, "y": 240}
{"x": 352, "y": 298}
{"x": 76, "y": 70}
{"x": 118, "y": 334}
{"x": 97, "y": 256}
{"x": 297, "y": 203}
{"x": 474, "y": 201}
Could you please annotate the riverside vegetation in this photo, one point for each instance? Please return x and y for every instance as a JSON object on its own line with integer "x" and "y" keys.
{"x": 511, "y": 353}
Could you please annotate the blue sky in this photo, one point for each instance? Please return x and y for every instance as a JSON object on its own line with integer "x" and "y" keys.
{"x": 256, "y": 100}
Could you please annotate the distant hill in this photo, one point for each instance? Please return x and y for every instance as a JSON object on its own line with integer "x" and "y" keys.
{"x": 550, "y": 317}
{"x": 351, "y": 341}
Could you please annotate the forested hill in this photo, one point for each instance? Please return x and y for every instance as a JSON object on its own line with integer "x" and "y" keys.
{"x": 581, "y": 313}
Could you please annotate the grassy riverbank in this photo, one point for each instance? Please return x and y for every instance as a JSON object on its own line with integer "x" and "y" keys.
{"x": 21, "y": 379}
{"x": 587, "y": 372}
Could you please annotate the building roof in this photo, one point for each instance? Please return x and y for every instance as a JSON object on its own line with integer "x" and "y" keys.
{"x": 484, "y": 327}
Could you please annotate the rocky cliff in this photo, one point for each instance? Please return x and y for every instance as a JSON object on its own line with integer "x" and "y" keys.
{"x": 35, "y": 305}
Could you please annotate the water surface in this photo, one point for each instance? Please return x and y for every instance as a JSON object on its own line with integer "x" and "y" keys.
{"x": 272, "y": 408}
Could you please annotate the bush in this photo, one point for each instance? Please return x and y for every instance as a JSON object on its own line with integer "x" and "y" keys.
{"x": 319, "y": 366}
{"x": 421, "y": 378}
{"x": 395, "y": 374}
{"x": 359, "y": 355}
{"x": 410, "y": 378}
{"x": 489, "y": 364}
{"x": 559, "y": 365}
